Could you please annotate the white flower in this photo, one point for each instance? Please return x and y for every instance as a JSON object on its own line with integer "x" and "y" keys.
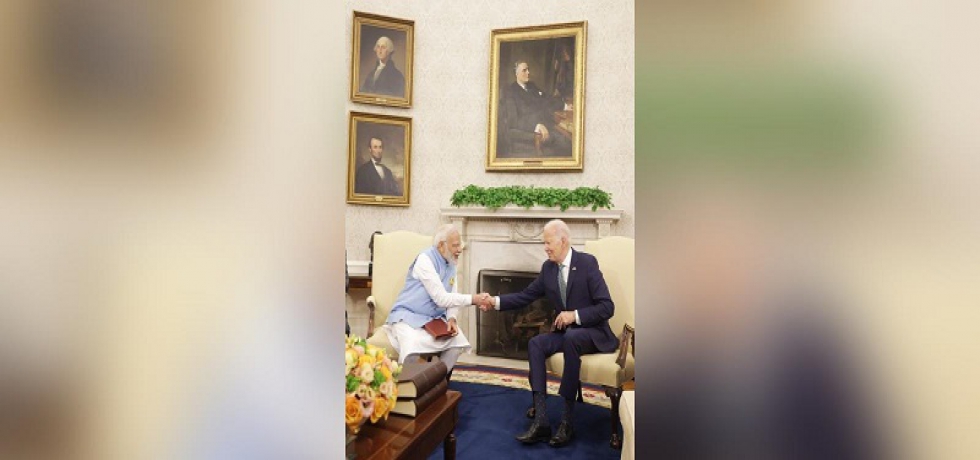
{"x": 350, "y": 359}
{"x": 387, "y": 388}
{"x": 366, "y": 373}
{"x": 366, "y": 393}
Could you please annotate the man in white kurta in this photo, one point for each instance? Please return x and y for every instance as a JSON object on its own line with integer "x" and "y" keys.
{"x": 431, "y": 292}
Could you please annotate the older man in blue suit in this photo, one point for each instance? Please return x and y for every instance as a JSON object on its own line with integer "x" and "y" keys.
{"x": 574, "y": 284}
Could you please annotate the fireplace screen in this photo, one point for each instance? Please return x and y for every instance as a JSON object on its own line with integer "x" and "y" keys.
{"x": 506, "y": 334}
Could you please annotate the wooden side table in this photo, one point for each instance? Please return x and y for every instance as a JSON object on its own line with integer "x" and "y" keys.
{"x": 412, "y": 438}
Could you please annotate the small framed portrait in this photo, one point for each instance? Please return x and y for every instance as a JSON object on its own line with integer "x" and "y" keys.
{"x": 381, "y": 60}
{"x": 379, "y": 160}
{"x": 537, "y": 98}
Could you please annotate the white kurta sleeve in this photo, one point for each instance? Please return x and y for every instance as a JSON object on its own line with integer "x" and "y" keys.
{"x": 425, "y": 272}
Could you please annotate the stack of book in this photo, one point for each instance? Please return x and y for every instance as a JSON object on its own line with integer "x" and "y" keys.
{"x": 419, "y": 384}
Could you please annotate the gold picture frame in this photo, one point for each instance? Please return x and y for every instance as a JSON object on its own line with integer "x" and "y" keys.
{"x": 374, "y": 136}
{"x": 537, "y": 124}
{"x": 389, "y": 85}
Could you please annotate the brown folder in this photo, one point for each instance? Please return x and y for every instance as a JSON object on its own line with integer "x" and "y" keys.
{"x": 438, "y": 328}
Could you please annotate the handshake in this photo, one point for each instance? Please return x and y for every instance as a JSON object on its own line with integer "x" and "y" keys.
{"x": 484, "y": 301}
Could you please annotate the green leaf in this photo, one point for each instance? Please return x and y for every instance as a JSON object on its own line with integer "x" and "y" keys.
{"x": 526, "y": 197}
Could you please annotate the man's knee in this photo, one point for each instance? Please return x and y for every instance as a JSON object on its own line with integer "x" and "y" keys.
{"x": 575, "y": 339}
{"x": 536, "y": 343}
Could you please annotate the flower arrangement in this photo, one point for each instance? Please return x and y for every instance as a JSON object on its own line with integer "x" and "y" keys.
{"x": 371, "y": 389}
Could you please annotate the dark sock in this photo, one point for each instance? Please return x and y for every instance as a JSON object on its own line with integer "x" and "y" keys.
{"x": 569, "y": 410}
{"x": 540, "y": 416}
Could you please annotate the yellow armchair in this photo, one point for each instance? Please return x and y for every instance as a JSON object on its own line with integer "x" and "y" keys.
{"x": 393, "y": 253}
{"x": 611, "y": 370}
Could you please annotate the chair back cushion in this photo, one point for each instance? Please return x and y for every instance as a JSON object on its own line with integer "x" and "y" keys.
{"x": 616, "y": 261}
{"x": 393, "y": 253}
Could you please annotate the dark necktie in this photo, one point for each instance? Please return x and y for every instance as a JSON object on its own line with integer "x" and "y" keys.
{"x": 561, "y": 285}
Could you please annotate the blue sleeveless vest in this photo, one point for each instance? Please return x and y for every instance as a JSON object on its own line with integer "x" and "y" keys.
{"x": 414, "y": 306}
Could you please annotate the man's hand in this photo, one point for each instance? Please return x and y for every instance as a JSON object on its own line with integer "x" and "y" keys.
{"x": 543, "y": 131}
{"x": 488, "y": 302}
{"x": 453, "y": 328}
{"x": 564, "y": 319}
{"x": 480, "y": 299}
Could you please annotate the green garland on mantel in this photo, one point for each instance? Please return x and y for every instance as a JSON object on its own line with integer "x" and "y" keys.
{"x": 563, "y": 198}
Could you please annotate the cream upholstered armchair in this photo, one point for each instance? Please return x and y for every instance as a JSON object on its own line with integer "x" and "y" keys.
{"x": 393, "y": 253}
{"x": 611, "y": 370}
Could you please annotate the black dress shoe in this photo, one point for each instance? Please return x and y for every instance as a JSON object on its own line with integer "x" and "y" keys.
{"x": 538, "y": 432}
{"x": 563, "y": 436}
{"x": 530, "y": 412}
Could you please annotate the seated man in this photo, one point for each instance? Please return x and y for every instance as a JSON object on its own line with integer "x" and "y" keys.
{"x": 574, "y": 284}
{"x": 429, "y": 293}
{"x": 527, "y": 119}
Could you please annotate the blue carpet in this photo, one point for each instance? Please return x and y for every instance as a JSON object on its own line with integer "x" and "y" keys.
{"x": 490, "y": 416}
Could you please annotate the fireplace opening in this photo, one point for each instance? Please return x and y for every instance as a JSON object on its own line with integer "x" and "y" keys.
{"x": 506, "y": 334}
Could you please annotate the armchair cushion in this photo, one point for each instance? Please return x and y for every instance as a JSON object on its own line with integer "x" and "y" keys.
{"x": 380, "y": 340}
{"x": 598, "y": 369}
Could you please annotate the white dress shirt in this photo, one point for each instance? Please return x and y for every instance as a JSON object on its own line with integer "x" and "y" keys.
{"x": 377, "y": 73}
{"x": 564, "y": 274}
{"x": 381, "y": 172}
{"x": 425, "y": 272}
{"x": 413, "y": 341}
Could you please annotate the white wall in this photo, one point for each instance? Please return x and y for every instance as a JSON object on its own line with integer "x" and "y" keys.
{"x": 450, "y": 103}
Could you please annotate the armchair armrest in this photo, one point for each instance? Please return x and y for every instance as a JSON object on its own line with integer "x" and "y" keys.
{"x": 371, "y": 304}
{"x": 626, "y": 345}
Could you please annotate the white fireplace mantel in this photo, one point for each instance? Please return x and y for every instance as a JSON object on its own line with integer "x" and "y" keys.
{"x": 601, "y": 218}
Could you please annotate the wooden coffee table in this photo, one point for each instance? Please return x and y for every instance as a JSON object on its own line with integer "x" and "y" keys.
{"x": 412, "y": 438}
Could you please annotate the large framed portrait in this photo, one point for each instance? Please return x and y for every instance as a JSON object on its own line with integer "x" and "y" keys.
{"x": 537, "y": 98}
{"x": 381, "y": 60}
{"x": 379, "y": 160}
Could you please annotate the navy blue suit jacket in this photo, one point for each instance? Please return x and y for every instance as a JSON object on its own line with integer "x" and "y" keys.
{"x": 586, "y": 292}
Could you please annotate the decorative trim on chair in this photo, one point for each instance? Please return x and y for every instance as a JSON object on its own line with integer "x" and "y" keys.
{"x": 371, "y": 306}
{"x": 626, "y": 343}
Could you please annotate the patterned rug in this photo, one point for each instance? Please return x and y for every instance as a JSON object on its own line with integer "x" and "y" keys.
{"x": 513, "y": 378}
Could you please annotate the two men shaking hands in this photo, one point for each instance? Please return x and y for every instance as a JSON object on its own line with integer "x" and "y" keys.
{"x": 487, "y": 302}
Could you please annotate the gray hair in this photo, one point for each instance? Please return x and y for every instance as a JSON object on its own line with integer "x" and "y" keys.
{"x": 559, "y": 227}
{"x": 518, "y": 64}
{"x": 387, "y": 43}
{"x": 443, "y": 233}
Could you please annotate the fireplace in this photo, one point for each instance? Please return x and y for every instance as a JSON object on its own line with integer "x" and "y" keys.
{"x": 506, "y": 334}
{"x": 509, "y": 238}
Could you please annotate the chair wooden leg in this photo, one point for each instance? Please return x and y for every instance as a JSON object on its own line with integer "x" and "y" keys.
{"x": 614, "y": 394}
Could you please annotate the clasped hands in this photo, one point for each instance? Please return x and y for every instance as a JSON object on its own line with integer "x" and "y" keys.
{"x": 484, "y": 301}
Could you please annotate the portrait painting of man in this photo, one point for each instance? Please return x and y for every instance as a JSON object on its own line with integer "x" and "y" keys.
{"x": 382, "y": 60}
{"x": 379, "y": 160}
{"x": 537, "y": 95}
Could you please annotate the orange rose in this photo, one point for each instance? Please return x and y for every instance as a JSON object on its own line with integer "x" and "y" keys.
{"x": 380, "y": 409}
{"x": 352, "y": 412}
